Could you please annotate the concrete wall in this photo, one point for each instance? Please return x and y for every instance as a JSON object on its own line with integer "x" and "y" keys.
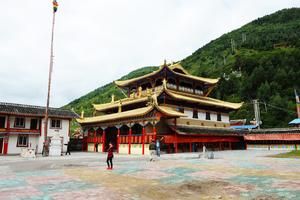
{"x": 273, "y": 146}
{"x": 123, "y": 148}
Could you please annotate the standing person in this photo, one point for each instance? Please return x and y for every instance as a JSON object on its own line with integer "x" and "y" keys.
{"x": 68, "y": 148}
{"x": 152, "y": 150}
{"x": 158, "y": 146}
{"x": 96, "y": 146}
{"x": 110, "y": 155}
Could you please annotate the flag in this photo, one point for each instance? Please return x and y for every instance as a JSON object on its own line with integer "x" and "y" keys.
{"x": 55, "y": 5}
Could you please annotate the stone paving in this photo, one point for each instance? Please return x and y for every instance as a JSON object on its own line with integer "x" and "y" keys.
{"x": 231, "y": 175}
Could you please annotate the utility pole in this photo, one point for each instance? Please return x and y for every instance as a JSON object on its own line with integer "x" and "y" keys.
{"x": 257, "y": 113}
{"x": 46, "y": 142}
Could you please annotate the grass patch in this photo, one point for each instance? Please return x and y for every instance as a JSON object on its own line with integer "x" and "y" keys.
{"x": 291, "y": 154}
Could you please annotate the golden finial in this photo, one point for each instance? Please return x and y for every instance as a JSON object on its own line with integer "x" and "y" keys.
{"x": 112, "y": 98}
{"x": 120, "y": 106}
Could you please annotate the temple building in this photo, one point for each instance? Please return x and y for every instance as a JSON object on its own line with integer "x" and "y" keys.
{"x": 168, "y": 104}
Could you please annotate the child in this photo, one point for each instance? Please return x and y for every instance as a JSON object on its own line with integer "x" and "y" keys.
{"x": 110, "y": 155}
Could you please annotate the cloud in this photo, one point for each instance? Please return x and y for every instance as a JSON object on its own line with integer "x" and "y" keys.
{"x": 98, "y": 41}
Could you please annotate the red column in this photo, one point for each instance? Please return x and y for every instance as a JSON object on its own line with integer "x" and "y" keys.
{"x": 154, "y": 132}
{"x": 118, "y": 140}
{"x": 5, "y": 139}
{"x": 95, "y": 140}
{"x": 103, "y": 140}
{"x": 190, "y": 147}
{"x": 129, "y": 141}
{"x": 143, "y": 141}
{"x": 176, "y": 143}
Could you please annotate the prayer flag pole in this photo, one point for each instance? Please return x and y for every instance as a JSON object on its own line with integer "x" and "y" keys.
{"x": 45, "y": 148}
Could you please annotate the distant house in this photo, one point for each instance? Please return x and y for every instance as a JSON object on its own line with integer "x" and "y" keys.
{"x": 22, "y": 126}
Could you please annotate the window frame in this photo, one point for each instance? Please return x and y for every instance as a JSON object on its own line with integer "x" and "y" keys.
{"x": 19, "y": 126}
{"x": 56, "y": 127}
{"x": 37, "y": 124}
{"x": 207, "y": 116}
{"x": 27, "y": 141}
{"x": 4, "y": 121}
{"x": 195, "y": 114}
{"x": 219, "y": 117}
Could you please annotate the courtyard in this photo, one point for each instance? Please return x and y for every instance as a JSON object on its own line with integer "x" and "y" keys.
{"x": 250, "y": 174}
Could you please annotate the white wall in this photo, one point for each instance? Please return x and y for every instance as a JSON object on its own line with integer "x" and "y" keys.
{"x": 12, "y": 143}
{"x": 63, "y": 132}
{"x": 27, "y": 122}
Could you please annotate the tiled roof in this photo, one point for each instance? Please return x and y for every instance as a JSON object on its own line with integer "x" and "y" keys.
{"x": 22, "y": 109}
{"x": 196, "y": 130}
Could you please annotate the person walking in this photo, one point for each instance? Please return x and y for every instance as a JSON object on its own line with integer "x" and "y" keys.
{"x": 110, "y": 156}
{"x": 152, "y": 150}
{"x": 68, "y": 148}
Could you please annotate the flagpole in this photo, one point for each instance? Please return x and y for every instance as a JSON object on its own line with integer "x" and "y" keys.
{"x": 49, "y": 85}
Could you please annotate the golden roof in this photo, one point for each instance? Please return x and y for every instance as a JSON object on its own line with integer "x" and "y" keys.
{"x": 171, "y": 67}
{"x": 125, "y": 101}
{"x": 131, "y": 113}
{"x": 203, "y": 100}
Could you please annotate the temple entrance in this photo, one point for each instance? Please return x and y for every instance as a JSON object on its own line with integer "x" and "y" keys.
{"x": 111, "y": 137}
{"x": 1, "y": 145}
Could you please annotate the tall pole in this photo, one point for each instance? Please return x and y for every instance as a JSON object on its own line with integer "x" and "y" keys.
{"x": 257, "y": 112}
{"x": 49, "y": 79}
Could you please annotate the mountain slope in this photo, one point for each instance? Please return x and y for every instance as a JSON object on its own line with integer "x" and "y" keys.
{"x": 259, "y": 60}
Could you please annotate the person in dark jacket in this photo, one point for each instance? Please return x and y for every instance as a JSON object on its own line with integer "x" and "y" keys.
{"x": 68, "y": 148}
{"x": 152, "y": 150}
{"x": 110, "y": 155}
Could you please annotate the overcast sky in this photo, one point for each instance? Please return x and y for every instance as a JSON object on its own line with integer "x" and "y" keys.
{"x": 98, "y": 41}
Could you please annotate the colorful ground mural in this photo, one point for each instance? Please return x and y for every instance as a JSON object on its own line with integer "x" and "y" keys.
{"x": 231, "y": 175}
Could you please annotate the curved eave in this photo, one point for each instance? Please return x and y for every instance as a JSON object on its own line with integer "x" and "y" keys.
{"x": 205, "y": 100}
{"x": 129, "y": 114}
{"x": 171, "y": 68}
{"x": 211, "y": 81}
{"x": 127, "y": 101}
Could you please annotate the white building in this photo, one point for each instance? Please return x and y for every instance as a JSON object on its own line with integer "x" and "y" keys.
{"x": 22, "y": 126}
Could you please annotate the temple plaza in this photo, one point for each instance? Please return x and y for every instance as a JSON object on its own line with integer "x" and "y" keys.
{"x": 239, "y": 174}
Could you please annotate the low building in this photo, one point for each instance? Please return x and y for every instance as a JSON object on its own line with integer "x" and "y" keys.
{"x": 22, "y": 126}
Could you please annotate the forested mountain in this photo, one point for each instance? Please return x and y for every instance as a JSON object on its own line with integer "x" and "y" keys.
{"x": 260, "y": 60}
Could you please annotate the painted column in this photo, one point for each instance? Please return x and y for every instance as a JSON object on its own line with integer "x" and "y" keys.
{"x": 118, "y": 139}
{"x": 129, "y": 140}
{"x": 191, "y": 147}
{"x": 103, "y": 140}
{"x": 176, "y": 141}
{"x": 5, "y": 139}
{"x": 143, "y": 141}
{"x": 95, "y": 140}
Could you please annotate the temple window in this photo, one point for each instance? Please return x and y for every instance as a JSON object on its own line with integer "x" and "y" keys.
{"x": 185, "y": 87}
{"x": 195, "y": 114}
{"x": 55, "y": 123}
{"x": 2, "y": 122}
{"x": 171, "y": 83}
{"x": 146, "y": 85}
{"x": 19, "y": 122}
{"x": 158, "y": 82}
{"x": 199, "y": 90}
{"x": 219, "y": 117}
{"x": 180, "y": 109}
{"x": 33, "y": 124}
{"x": 207, "y": 117}
{"x": 22, "y": 141}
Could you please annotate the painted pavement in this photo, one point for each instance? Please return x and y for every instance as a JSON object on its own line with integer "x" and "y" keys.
{"x": 231, "y": 175}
